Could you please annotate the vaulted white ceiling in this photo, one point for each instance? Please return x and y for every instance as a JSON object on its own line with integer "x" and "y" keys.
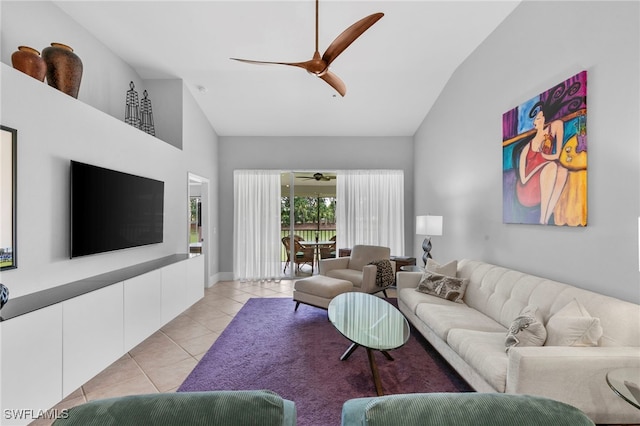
{"x": 394, "y": 72}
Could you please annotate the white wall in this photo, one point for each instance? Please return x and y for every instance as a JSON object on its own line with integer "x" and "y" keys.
{"x": 200, "y": 146}
{"x": 458, "y": 147}
{"x": 54, "y": 128}
{"x": 310, "y": 154}
{"x": 37, "y": 24}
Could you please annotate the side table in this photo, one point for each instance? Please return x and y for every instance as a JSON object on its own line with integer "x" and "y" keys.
{"x": 403, "y": 261}
{"x": 344, "y": 252}
{"x": 625, "y": 382}
{"x": 411, "y": 268}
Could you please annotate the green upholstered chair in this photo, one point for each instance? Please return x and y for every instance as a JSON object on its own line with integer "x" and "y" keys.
{"x": 461, "y": 409}
{"x": 228, "y": 408}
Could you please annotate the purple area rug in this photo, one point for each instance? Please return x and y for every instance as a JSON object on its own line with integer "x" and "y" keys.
{"x": 297, "y": 355}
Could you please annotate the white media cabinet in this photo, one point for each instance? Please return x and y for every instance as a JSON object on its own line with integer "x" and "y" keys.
{"x": 55, "y": 340}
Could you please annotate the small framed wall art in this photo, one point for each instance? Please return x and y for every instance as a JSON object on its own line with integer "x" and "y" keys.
{"x": 8, "y": 153}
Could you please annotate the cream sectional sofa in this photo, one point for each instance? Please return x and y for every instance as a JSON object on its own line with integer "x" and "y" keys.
{"x": 471, "y": 337}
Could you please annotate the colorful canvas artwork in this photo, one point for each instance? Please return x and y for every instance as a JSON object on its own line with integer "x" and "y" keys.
{"x": 544, "y": 157}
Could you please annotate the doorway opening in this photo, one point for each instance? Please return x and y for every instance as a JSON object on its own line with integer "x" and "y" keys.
{"x": 308, "y": 221}
{"x": 198, "y": 220}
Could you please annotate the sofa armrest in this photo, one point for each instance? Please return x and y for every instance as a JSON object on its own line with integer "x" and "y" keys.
{"x": 327, "y": 265}
{"x": 408, "y": 279}
{"x": 574, "y": 375}
{"x": 369, "y": 279}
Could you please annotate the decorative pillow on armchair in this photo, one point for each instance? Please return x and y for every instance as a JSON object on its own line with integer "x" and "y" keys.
{"x": 450, "y": 288}
{"x": 449, "y": 269}
{"x": 526, "y": 330}
{"x": 573, "y": 326}
{"x": 384, "y": 272}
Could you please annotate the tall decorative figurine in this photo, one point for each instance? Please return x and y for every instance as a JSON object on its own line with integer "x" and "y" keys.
{"x": 146, "y": 115}
{"x": 131, "y": 112}
{"x": 64, "y": 68}
{"x": 4, "y": 295}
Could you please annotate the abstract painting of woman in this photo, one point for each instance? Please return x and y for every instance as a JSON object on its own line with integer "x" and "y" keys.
{"x": 544, "y": 168}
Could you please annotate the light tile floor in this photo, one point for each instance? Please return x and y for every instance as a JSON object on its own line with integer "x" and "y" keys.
{"x": 163, "y": 361}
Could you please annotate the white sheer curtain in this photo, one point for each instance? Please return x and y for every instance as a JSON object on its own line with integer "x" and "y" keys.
{"x": 370, "y": 208}
{"x": 256, "y": 225}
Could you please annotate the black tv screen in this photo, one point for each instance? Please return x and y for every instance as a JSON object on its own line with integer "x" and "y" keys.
{"x": 112, "y": 210}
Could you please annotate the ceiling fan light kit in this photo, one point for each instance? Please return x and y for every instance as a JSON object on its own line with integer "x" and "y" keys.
{"x": 319, "y": 65}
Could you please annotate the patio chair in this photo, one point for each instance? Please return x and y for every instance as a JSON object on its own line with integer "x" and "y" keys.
{"x": 328, "y": 251}
{"x": 303, "y": 254}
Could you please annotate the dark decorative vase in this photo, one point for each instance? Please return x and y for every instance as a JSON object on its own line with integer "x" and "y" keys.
{"x": 28, "y": 60}
{"x": 64, "y": 68}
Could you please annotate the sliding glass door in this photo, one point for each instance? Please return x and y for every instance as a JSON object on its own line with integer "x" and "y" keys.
{"x": 308, "y": 221}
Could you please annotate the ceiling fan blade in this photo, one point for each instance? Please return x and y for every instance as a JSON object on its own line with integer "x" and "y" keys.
{"x": 304, "y": 65}
{"x": 335, "y": 82}
{"x": 348, "y": 36}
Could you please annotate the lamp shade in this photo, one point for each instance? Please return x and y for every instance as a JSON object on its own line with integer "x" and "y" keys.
{"x": 429, "y": 225}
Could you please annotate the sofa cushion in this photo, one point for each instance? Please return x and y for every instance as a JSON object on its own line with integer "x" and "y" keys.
{"x": 442, "y": 318}
{"x": 526, "y": 329}
{"x": 484, "y": 352}
{"x": 449, "y": 269}
{"x": 573, "y": 326}
{"x": 347, "y": 274}
{"x": 446, "y": 287}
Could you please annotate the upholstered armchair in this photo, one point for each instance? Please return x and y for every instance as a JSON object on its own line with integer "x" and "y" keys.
{"x": 357, "y": 267}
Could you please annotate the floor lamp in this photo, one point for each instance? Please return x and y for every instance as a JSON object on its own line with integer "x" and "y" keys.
{"x": 429, "y": 226}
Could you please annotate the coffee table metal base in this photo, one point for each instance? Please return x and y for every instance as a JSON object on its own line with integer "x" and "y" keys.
{"x": 372, "y": 364}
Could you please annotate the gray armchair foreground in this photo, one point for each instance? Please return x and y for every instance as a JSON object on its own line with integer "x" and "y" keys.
{"x": 357, "y": 268}
{"x": 461, "y": 409}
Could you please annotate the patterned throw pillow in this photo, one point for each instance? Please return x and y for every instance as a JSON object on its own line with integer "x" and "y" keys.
{"x": 450, "y": 288}
{"x": 384, "y": 273}
{"x": 526, "y": 330}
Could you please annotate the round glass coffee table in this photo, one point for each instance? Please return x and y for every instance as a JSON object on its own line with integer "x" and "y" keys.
{"x": 370, "y": 322}
{"x": 625, "y": 382}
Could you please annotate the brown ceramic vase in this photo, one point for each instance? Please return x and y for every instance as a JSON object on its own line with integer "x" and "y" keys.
{"x": 27, "y": 60}
{"x": 64, "y": 68}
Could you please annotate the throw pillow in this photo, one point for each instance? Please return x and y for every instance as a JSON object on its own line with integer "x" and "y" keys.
{"x": 384, "y": 273}
{"x": 445, "y": 287}
{"x": 449, "y": 269}
{"x": 573, "y": 326}
{"x": 526, "y": 330}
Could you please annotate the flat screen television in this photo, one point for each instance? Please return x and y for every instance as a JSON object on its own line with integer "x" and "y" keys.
{"x": 112, "y": 210}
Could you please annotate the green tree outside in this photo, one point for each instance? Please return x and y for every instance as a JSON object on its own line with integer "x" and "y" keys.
{"x": 308, "y": 210}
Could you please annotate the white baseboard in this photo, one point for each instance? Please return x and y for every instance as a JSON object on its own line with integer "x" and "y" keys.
{"x": 220, "y": 276}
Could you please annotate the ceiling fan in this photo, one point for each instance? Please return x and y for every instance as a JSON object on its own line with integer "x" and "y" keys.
{"x": 318, "y": 177}
{"x": 319, "y": 65}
